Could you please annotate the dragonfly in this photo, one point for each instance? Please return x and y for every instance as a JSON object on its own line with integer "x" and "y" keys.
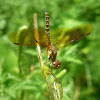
{"x": 53, "y": 40}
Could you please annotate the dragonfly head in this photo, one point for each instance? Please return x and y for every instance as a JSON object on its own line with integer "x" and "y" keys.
{"x": 55, "y": 64}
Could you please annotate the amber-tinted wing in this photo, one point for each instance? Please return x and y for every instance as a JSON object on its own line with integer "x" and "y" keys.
{"x": 25, "y": 37}
{"x": 63, "y": 37}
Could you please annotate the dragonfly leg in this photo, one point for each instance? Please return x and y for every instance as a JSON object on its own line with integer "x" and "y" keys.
{"x": 44, "y": 52}
{"x": 47, "y": 61}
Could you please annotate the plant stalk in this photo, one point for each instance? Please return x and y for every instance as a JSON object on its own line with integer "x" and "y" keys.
{"x": 36, "y": 35}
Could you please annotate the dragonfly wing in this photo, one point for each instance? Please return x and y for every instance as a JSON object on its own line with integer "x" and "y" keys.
{"x": 23, "y": 37}
{"x": 26, "y": 37}
{"x": 66, "y": 36}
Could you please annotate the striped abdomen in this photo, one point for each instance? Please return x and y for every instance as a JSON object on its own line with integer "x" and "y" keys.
{"x": 47, "y": 29}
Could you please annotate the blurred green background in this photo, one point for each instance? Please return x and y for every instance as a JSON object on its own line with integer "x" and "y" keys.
{"x": 80, "y": 69}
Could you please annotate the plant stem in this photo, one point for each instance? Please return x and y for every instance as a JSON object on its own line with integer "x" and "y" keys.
{"x": 19, "y": 61}
{"x": 36, "y": 35}
{"x": 77, "y": 92}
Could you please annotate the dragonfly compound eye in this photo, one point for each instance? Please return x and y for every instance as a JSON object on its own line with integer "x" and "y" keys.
{"x": 55, "y": 64}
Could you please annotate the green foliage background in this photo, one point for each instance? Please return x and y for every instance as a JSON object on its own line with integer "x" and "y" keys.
{"x": 80, "y": 69}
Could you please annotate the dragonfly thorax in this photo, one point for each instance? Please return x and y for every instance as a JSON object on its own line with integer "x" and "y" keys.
{"x": 52, "y": 53}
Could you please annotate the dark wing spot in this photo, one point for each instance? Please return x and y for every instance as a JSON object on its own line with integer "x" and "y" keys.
{"x": 16, "y": 43}
{"x": 88, "y": 33}
{"x": 36, "y": 41}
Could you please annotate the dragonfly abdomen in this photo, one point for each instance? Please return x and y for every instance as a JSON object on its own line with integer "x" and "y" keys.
{"x": 47, "y": 29}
